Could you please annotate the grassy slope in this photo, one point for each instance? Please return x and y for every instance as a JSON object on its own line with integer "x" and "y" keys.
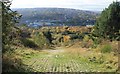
{"x": 69, "y": 60}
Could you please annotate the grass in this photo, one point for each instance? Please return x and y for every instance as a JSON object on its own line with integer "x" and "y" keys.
{"x": 71, "y": 60}
{"x": 103, "y": 61}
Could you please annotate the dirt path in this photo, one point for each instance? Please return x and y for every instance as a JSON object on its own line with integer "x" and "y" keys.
{"x": 53, "y": 52}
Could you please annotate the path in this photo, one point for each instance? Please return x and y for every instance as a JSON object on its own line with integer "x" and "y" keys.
{"x": 56, "y": 61}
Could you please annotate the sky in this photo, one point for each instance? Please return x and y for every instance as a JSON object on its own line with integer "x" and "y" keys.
{"x": 93, "y": 5}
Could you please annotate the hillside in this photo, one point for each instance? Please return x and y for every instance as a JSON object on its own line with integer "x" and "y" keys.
{"x": 50, "y": 48}
{"x": 56, "y": 16}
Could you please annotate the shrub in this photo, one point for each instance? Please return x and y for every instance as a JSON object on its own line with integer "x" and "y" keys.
{"x": 66, "y": 32}
{"x": 41, "y": 40}
{"x": 75, "y": 36}
{"x": 96, "y": 41}
{"x": 48, "y": 35}
{"x": 28, "y": 43}
{"x": 87, "y": 42}
{"x": 86, "y": 38}
{"x": 106, "y": 48}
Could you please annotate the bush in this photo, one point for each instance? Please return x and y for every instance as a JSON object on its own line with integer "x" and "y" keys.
{"x": 41, "y": 40}
{"x": 106, "y": 48}
{"x": 48, "y": 35}
{"x": 96, "y": 41}
{"x": 66, "y": 32}
{"x": 86, "y": 38}
{"x": 28, "y": 43}
{"x": 87, "y": 42}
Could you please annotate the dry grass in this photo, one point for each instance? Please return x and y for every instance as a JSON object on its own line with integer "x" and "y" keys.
{"x": 107, "y": 60}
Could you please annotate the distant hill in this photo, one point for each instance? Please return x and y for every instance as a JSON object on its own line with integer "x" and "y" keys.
{"x": 56, "y": 16}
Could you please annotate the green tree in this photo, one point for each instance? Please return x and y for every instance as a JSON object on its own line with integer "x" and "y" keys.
{"x": 108, "y": 24}
{"x": 9, "y": 19}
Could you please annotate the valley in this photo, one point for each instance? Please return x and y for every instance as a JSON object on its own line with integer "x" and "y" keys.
{"x": 53, "y": 40}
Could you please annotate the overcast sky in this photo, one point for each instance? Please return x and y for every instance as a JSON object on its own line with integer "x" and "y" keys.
{"x": 97, "y": 5}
